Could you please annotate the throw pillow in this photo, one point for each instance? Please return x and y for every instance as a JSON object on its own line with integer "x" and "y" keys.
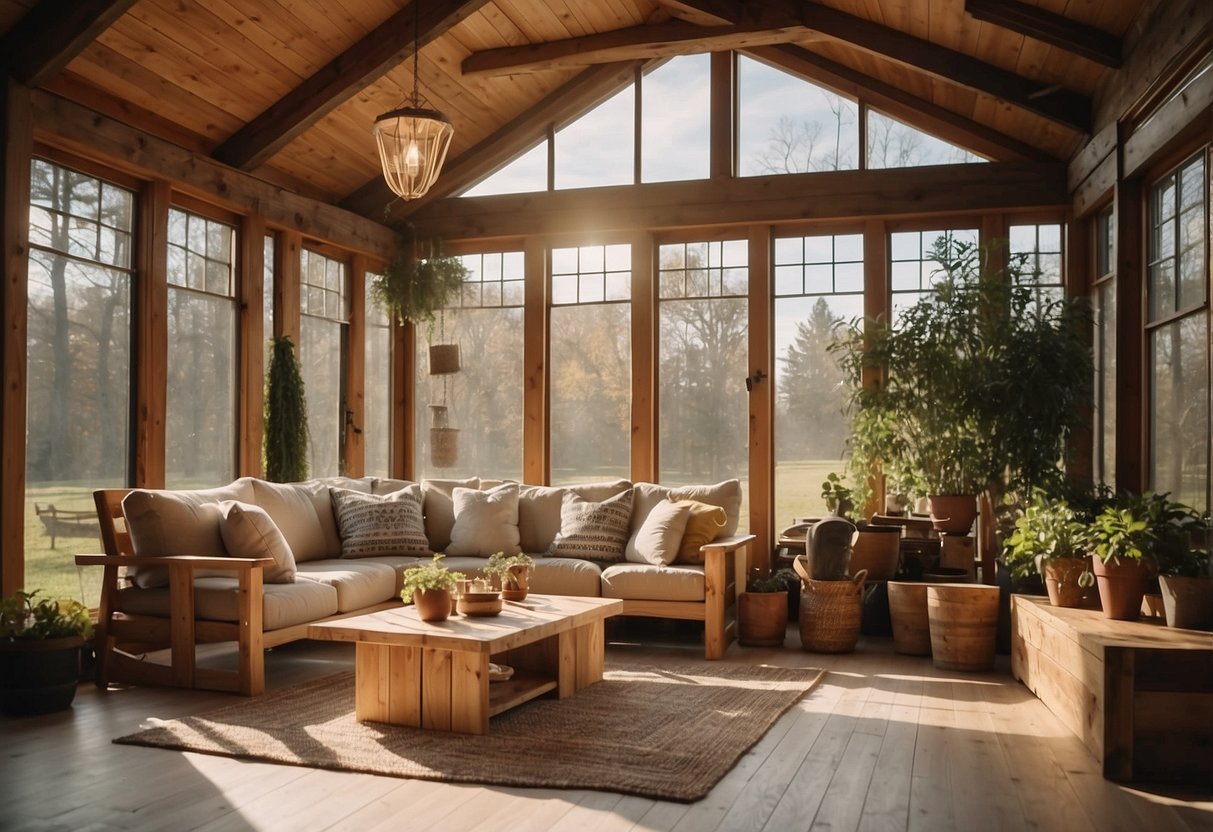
{"x": 486, "y": 522}
{"x": 249, "y": 532}
{"x": 594, "y": 531}
{"x": 705, "y": 523}
{"x": 438, "y": 502}
{"x": 726, "y": 494}
{"x": 372, "y": 524}
{"x": 656, "y": 542}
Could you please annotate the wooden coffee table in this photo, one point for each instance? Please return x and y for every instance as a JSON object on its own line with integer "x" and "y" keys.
{"x": 436, "y": 676}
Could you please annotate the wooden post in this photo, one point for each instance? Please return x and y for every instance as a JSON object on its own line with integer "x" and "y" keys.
{"x": 286, "y": 285}
{"x": 151, "y": 339}
{"x": 1078, "y": 247}
{"x": 16, "y": 126}
{"x": 251, "y": 283}
{"x": 355, "y": 388}
{"x": 644, "y": 359}
{"x": 723, "y": 125}
{"x": 761, "y": 399}
{"x": 535, "y": 446}
{"x": 1132, "y": 384}
{"x": 876, "y": 305}
{"x": 404, "y": 429}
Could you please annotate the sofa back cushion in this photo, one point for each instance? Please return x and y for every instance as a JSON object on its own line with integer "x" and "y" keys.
{"x": 486, "y": 522}
{"x": 539, "y": 509}
{"x": 656, "y": 542}
{"x": 372, "y": 525}
{"x": 726, "y": 495}
{"x": 439, "y": 509}
{"x": 162, "y": 522}
{"x": 705, "y": 523}
{"x": 299, "y": 510}
{"x": 595, "y": 531}
{"x": 248, "y": 532}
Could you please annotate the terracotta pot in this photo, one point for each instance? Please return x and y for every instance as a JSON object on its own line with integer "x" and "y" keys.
{"x": 762, "y": 618}
{"x": 1122, "y": 584}
{"x": 1061, "y": 581}
{"x": 519, "y": 587}
{"x": 878, "y": 550}
{"x": 433, "y": 604}
{"x": 38, "y": 676}
{"x": 964, "y": 622}
{"x": 953, "y": 513}
{"x": 1188, "y": 602}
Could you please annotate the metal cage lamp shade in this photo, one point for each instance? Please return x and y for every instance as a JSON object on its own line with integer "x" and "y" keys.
{"x": 413, "y": 142}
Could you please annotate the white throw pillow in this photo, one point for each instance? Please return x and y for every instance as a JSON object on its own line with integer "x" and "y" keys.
{"x": 486, "y": 522}
{"x": 595, "y": 531}
{"x": 372, "y": 524}
{"x": 249, "y": 532}
{"x": 657, "y": 541}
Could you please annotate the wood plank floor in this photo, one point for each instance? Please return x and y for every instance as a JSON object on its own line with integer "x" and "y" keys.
{"x": 886, "y": 742}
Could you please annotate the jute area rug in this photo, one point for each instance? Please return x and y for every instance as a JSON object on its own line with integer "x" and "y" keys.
{"x": 665, "y": 732}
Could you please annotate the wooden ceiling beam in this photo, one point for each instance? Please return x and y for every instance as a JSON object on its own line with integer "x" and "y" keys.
{"x": 892, "y": 101}
{"x": 1054, "y": 29}
{"x": 831, "y": 195}
{"x": 349, "y": 73}
{"x": 592, "y": 86}
{"x": 52, "y": 33}
{"x": 654, "y": 40}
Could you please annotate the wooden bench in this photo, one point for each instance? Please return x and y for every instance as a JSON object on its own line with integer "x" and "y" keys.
{"x": 1137, "y": 693}
{"x": 66, "y": 522}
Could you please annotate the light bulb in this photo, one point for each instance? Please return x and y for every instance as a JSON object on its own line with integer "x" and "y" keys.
{"x": 413, "y": 159}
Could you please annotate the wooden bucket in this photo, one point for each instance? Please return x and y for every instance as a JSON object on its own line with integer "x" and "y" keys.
{"x": 964, "y": 621}
{"x": 830, "y": 614}
{"x": 908, "y": 611}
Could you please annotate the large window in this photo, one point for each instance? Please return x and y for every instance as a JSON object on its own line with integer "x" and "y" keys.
{"x": 895, "y": 144}
{"x": 323, "y": 347}
{"x": 483, "y": 400}
{"x": 1178, "y": 334}
{"x": 675, "y": 120}
{"x": 600, "y": 146}
{"x": 1105, "y": 350}
{"x": 913, "y": 269}
{"x": 703, "y": 360}
{"x": 591, "y": 363}
{"x": 818, "y": 285}
{"x": 377, "y": 390}
{"x": 1039, "y": 246}
{"x": 201, "y": 388}
{"x": 78, "y": 370}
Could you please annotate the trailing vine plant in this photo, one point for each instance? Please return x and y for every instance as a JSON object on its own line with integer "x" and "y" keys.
{"x": 420, "y": 281}
{"x": 286, "y": 434}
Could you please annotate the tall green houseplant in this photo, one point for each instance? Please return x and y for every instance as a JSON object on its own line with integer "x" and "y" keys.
{"x": 419, "y": 281}
{"x": 286, "y": 435}
{"x": 977, "y": 387}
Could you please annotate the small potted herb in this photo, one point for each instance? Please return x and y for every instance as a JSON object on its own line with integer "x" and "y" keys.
{"x": 431, "y": 588}
{"x": 1046, "y": 541}
{"x": 513, "y": 571}
{"x": 40, "y": 643}
{"x": 762, "y": 610}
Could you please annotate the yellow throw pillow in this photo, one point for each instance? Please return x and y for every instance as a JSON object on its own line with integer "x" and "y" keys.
{"x": 705, "y": 524}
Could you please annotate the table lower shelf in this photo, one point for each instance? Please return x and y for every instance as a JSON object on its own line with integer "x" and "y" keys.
{"x": 522, "y": 687}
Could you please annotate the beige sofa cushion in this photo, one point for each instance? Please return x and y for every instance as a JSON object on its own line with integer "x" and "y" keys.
{"x": 726, "y": 495}
{"x": 163, "y": 522}
{"x": 486, "y": 522}
{"x": 657, "y": 540}
{"x": 593, "y": 530}
{"x": 359, "y": 583}
{"x": 218, "y": 599}
{"x": 248, "y": 532}
{"x": 380, "y": 525}
{"x": 384, "y": 485}
{"x": 295, "y": 510}
{"x": 439, "y": 509}
{"x": 539, "y": 509}
{"x": 639, "y": 582}
{"x": 566, "y": 576}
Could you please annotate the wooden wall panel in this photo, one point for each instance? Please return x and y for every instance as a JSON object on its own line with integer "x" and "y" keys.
{"x": 17, "y": 136}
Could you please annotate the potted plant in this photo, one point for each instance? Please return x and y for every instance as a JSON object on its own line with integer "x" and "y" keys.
{"x": 513, "y": 571}
{"x": 1184, "y": 574}
{"x": 286, "y": 435}
{"x": 837, "y": 495}
{"x": 40, "y": 643}
{"x": 431, "y": 588}
{"x": 762, "y": 610}
{"x": 1045, "y": 542}
{"x": 977, "y": 387}
{"x": 1127, "y": 540}
{"x": 420, "y": 281}
{"x": 875, "y": 547}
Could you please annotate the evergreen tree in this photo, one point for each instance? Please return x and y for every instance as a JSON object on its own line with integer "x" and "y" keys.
{"x": 286, "y": 435}
{"x": 810, "y": 391}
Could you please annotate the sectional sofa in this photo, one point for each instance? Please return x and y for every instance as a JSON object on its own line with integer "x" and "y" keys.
{"x": 256, "y": 562}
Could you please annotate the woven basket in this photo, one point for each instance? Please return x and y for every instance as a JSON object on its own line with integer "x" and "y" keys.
{"x": 830, "y": 613}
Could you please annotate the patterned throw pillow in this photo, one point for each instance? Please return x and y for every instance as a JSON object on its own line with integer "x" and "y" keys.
{"x": 594, "y": 531}
{"x": 372, "y": 524}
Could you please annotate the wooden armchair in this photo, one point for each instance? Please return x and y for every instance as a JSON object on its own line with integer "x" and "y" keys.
{"x": 121, "y": 637}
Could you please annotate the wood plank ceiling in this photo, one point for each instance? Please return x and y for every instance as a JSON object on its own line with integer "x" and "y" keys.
{"x": 204, "y": 73}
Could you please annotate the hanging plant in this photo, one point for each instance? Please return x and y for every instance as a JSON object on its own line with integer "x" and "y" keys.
{"x": 420, "y": 281}
{"x": 286, "y": 436}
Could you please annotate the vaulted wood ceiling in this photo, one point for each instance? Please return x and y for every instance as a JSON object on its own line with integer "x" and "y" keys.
{"x": 289, "y": 89}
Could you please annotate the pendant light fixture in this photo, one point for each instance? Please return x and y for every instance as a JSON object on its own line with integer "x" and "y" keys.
{"x": 413, "y": 139}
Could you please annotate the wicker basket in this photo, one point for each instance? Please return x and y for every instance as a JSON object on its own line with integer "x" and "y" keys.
{"x": 830, "y": 613}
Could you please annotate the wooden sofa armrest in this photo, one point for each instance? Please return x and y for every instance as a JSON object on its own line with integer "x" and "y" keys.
{"x": 727, "y": 544}
{"x": 724, "y": 569}
{"x": 176, "y": 561}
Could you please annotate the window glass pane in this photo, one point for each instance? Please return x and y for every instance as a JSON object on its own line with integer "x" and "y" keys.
{"x": 810, "y": 424}
{"x": 1179, "y": 410}
{"x": 598, "y": 148}
{"x": 1105, "y": 383}
{"x": 788, "y": 125}
{"x": 377, "y": 392}
{"x": 267, "y": 289}
{"x": 895, "y": 144}
{"x": 703, "y": 357}
{"x": 78, "y": 374}
{"x": 1178, "y": 227}
{"x": 1039, "y": 249}
{"x": 322, "y": 359}
{"x": 675, "y": 120}
{"x": 525, "y": 174}
{"x": 912, "y": 268}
